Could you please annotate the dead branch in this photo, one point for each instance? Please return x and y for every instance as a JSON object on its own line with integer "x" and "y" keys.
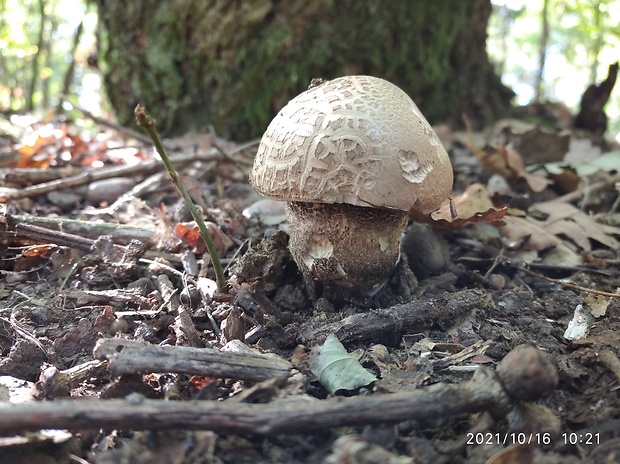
{"x": 43, "y": 235}
{"x": 87, "y": 177}
{"x": 570, "y": 285}
{"x": 486, "y": 391}
{"x": 74, "y": 233}
{"x": 398, "y": 319}
{"x": 132, "y": 357}
{"x": 54, "y": 383}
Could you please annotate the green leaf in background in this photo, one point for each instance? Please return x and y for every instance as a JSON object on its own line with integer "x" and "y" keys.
{"x": 336, "y": 369}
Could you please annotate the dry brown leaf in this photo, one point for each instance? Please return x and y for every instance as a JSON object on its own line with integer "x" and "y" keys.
{"x": 33, "y": 154}
{"x": 528, "y": 233}
{"x": 473, "y": 200}
{"x": 564, "y": 232}
{"x": 537, "y": 145}
{"x": 566, "y": 219}
{"x": 508, "y": 163}
{"x": 492, "y": 216}
{"x": 515, "y": 161}
{"x": 528, "y": 238}
{"x": 569, "y": 230}
{"x": 472, "y": 206}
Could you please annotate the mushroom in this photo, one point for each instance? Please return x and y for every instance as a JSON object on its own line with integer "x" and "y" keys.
{"x": 351, "y": 157}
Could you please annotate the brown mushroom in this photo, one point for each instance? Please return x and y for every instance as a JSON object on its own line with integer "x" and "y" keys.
{"x": 351, "y": 157}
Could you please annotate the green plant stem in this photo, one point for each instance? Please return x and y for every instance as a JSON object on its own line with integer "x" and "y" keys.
{"x": 145, "y": 121}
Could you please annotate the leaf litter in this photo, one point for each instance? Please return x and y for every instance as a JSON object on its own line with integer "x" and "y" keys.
{"x": 67, "y": 296}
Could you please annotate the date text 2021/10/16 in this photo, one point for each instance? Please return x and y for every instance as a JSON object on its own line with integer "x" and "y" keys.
{"x": 515, "y": 438}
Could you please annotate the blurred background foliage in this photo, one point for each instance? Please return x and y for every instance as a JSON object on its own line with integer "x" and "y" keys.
{"x": 57, "y": 54}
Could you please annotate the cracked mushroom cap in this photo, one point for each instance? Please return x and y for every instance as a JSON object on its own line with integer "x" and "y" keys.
{"x": 358, "y": 140}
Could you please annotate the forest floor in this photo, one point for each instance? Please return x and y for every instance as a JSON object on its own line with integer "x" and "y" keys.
{"x": 98, "y": 258}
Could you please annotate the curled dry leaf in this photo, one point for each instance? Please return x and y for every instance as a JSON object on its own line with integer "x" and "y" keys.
{"x": 472, "y": 206}
{"x": 565, "y": 231}
{"x": 564, "y": 219}
{"x": 508, "y": 163}
{"x": 189, "y": 234}
{"x": 525, "y": 238}
{"x": 336, "y": 369}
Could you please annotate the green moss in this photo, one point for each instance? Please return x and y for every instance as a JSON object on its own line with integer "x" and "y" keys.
{"x": 234, "y": 63}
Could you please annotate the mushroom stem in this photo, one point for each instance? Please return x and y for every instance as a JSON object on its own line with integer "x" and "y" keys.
{"x": 350, "y": 250}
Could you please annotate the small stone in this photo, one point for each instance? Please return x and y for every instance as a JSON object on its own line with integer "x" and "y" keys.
{"x": 108, "y": 190}
{"x": 528, "y": 373}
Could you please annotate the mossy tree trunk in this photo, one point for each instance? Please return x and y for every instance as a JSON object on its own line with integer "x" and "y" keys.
{"x": 233, "y": 64}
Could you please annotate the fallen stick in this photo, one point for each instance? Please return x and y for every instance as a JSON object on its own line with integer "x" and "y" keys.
{"x": 54, "y": 383}
{"x": 121, "y": 235}
{"x": 87, "y": 177}
{"x": 44, "y": 235}
{"x": 524, "y": 374}
{"x": 133, "y": 357}
{"x": 392, "y": 322}
{"x": 74, "y": 232}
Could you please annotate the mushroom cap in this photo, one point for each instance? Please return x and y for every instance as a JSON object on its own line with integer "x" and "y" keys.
{"x": 358, "y": 140}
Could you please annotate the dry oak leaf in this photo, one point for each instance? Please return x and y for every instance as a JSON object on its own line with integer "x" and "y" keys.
{"x": 565, "y": 231}
{"x": 508, "y": 163}
{"x": 472, "y": 206}
{"x": 564, "y": 219}
{"x": 525, "y": 237}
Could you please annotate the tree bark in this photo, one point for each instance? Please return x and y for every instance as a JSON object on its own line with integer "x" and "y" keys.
{"x": 233, "y": 64}
{"x": 68, "y": 79}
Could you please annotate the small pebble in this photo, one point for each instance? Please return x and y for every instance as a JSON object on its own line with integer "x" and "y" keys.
{"x": 528, "y": 373}
{"x": 108, "y": 190}
{"x": 496, "y": 281}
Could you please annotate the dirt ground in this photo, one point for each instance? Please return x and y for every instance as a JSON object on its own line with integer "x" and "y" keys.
{"x": 467, "y": 291}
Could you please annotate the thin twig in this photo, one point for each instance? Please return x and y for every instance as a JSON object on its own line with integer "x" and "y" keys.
{"x": 145, "y": 121}
{"x": 572, "y": 286}
{"x": 580, "y": 193}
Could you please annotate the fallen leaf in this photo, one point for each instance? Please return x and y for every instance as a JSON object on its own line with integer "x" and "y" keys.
{"x": 532, "y": 237}
{"x": 472, "y": 206}
{"x": 189, "y": 234}
{"x": 38, "y": 250}
{"x": 336, "y": 369}
{"x": 576, "y": 225}
{"x": 535, "y": 144}
{"x": 516, "y": 228}
{"x": 598, "y": 304}
{"x": 506, "y": 161}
